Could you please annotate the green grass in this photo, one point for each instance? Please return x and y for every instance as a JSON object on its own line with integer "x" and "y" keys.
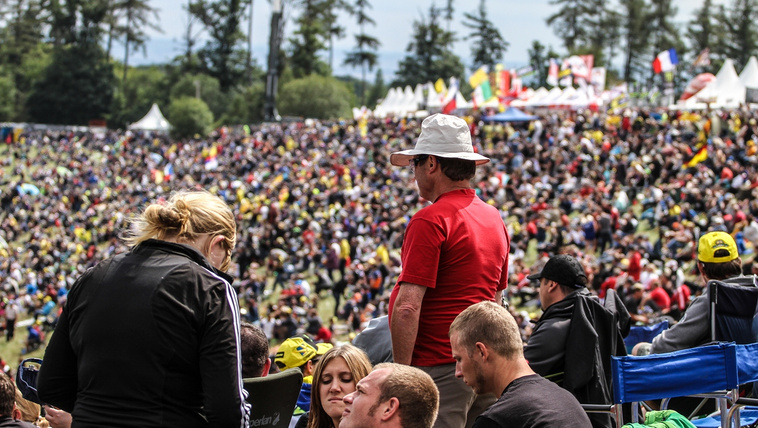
{"x": 12, "y": 352}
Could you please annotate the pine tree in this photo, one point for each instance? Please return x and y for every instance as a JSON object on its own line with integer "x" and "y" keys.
{"x": 378, "y": 89}
{"x": 634, "y": 35}
{"x": 489, "y": 46}
{"x": 568, "y": 22}
{"x": 701, "y": 29}
{"x": 449, "y": 11}
{"x": 309, "y": 39}
{"x": 539, "y": 61}
{"x": 364, "y": 55}
{"x": 223, "y": 55}
{"x": 740, "y": 39}
{"x": 430, "y": 54}
{"x": 138, "y": 15}
{"x": 334, "y": 30}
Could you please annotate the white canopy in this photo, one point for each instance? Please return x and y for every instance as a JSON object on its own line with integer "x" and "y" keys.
{"x": 153, "y": 121}
{"x": 433, "y": 99}
{"x": 418, "y": 94}
{"x": 461, "y": 103}
{"x": 727, "y": 91}
{"x": 749, "y": 75}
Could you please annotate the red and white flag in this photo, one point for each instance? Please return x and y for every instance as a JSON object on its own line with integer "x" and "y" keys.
{"x": 448, "y": 103}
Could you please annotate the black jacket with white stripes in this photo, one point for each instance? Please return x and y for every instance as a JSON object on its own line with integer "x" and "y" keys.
{"x": 148, "y": 338}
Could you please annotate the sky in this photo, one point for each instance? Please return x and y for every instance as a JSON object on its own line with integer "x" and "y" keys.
{"x": 519, "y": 22}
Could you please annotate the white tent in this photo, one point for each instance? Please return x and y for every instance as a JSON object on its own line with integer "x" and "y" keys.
{"x": 418, "y": 94}
{"x": 549, "y": 98}
{"x": 749, "y": 75}
{"x": 461, "y": 103}
{"x": 408, "y": 104}
{"x": 727, "y": 91}
{"x": 749, "y": 78}
{"x": 387, "y": 105}
{"x": 153, "y": 121}
{"x": 433, "y": 99}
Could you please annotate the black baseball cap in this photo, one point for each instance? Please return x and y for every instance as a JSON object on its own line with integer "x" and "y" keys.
{"x": 563, "y": 269}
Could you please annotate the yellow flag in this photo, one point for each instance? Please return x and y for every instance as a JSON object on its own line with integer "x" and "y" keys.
{"x": 478, "y": 77}
{"x": 439, "y": 86}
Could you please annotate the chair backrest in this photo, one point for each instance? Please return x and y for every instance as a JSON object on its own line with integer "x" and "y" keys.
{"x": 644, "y": 333}
{"x": 690, "y": 371}
{"x": 273, "y": 398}
{"x": 734, "y": 312}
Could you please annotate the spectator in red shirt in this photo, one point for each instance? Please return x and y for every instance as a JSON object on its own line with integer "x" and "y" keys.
{"x": 659, "y": 296}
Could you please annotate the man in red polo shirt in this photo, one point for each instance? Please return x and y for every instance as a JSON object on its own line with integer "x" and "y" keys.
{"x": 455, "y": 254}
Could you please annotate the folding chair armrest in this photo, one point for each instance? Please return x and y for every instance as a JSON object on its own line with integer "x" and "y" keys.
{"x": 598, "y": 408}
{"x": 733, "y": 415}
{"x": 742, "y": 402}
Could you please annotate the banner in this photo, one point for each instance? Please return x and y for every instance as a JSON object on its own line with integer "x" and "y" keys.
{"x": 597, "y": 79}
{"x": 505, "y": 83}
{"x": 552, "y": 73}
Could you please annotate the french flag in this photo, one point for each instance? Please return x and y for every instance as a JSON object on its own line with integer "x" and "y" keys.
{"x": 168, "y": 172}
{"x": 665, "y": 61}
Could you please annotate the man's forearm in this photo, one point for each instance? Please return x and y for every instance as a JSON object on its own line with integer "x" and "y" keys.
{"x": 404, "y": 329}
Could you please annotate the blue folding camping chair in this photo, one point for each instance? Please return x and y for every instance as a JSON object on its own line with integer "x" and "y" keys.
{"x": 743, "y": 411}
{"x": 700, "y": 370}
{"x": 644, "y": 333}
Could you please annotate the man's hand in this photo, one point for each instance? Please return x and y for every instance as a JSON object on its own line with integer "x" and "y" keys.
{"x": 58, "y": 418}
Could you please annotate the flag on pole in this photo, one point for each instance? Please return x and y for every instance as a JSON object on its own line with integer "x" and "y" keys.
{"x": 477, "y": 98}
{"x": 439, "y": 86}
{"x": 703, "y": 59}
{"x": 665, "y": 61}
{"x": 552, "y": 73}
{"x": 700, "y": 156}
{"x": 448, "y": 103}
{"x": 504, "y": 83}
{"x": 168, "y": 172}
{"x": 486, "y": 90}
{"x": 479, "y": 77}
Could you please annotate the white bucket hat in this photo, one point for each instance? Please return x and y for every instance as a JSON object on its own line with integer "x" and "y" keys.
{"x": 444, "y": 136}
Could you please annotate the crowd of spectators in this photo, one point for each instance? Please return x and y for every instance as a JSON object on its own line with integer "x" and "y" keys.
{"x": 319, "y": 207}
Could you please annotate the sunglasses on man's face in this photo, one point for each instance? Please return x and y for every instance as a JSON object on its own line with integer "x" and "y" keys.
{"x": 418, "y": 160}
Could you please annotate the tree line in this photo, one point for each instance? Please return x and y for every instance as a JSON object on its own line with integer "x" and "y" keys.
{"x": 56, "y": 62}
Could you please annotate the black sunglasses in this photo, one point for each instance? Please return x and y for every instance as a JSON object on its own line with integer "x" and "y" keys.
{"x": 418, "y": 160}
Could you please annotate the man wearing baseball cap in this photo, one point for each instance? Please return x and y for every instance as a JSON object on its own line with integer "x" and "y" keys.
{"x": 574, "y": 339}
{"x": 302, "y": 353}
{"x": 455, "y": 254}
{"x": 717, "y": 259}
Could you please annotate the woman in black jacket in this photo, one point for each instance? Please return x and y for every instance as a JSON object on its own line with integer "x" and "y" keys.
{"x": 150, "y": 338}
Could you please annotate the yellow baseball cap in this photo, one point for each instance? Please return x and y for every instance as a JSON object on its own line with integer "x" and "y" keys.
{"x": 717, "y": 247}
{"x": 294, "y": 352}
{"x": 321, "y": 348}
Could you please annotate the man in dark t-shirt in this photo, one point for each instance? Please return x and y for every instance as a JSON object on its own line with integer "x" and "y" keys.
{"x": 489, "y": 357}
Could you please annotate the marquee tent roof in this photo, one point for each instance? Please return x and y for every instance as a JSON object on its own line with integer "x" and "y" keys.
{"x": 749, "y": 75}
{"x": 727, "y": 91}
{"x": 153, "y": 121}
